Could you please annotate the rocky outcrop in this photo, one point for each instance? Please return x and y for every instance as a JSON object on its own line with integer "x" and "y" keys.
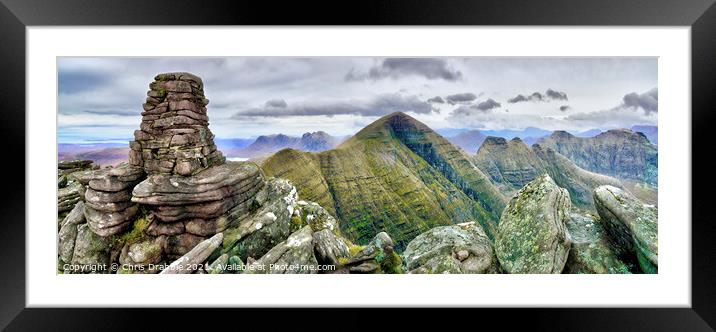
{"x": 68, "y": 232}
{"x": 273, "y": 218}
{"x": 68, "y": 167}
{"x": 108, "y": 208}
{"x": 461, "y": 248}
{"x": 190, "y": 191}
{"x": 295, "y": 255}
{"x": 631, "y": 225}
{"x": 621, "y": 153}
{"x": 532, "y": 234}
{"x": 591, "y": 251}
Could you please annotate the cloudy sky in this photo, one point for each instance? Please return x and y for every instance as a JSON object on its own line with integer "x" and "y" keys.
{"x": 100, "y": 99}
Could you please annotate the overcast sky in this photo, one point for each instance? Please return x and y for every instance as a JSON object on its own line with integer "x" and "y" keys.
{"x": 100, "y": 99}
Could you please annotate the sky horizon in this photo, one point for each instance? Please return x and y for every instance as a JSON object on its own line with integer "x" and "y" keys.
{"x": 100, "y": 99}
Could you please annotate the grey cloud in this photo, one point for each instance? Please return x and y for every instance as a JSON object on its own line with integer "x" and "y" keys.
{"x": 377, "y": 106}
{"x": 460, "y": 98}
{"x": 487, "y": 105}
{"x": 276, "y": 103}
{"x": 517, "y": 99}
{"x": 556, "y": 95}
{"x": 481, "y": 107}
{"x": 431, "y": 69}
{"x": 537, "y": 97}
{"x": 565, "y": 108}
{"x": 436, "y": 100}
{"x": 648, "y": 101}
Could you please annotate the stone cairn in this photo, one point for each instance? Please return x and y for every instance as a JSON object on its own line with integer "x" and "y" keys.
{"x": 191, "y": 192}
{"x": 174, "y": 137}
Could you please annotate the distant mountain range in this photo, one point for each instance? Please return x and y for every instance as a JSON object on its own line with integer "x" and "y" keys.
{"x": 104, "y": 154}
{"x": 266, "y": 145}
{"x": 471, "y": 139}
{"x": 621, "y": 153}
{"x": 512, "y": 164}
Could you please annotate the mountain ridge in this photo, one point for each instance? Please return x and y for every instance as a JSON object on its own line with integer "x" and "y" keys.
{"x": 395, "y": 175}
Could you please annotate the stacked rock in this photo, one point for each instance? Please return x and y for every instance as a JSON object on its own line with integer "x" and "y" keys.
{"x": 191, "y": 191}
{"x": 174, "y": 137}
{"x": 69, "y": 192}
{"x": 108, "y": 206}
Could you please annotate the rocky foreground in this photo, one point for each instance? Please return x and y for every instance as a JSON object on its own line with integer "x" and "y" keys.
{"x": 178, "y": 207}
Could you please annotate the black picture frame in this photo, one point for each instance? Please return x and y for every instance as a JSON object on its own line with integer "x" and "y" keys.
{"x": 16, "y": 15}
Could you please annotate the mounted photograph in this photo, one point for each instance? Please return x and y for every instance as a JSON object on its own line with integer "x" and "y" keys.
{"x": 357, "y": 165}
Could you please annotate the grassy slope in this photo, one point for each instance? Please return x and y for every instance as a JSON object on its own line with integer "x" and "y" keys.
{"x": 396, "y": 175}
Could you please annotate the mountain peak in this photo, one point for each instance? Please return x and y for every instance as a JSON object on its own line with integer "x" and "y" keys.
{"x": 494, "y": 140}
{"x": 561, "y": 135}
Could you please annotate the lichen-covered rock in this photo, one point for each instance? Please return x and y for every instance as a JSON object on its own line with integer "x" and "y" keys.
{"x": 329, "y": 247}
{"x": 91, "y": 253}
{"x": 461, "y": 248}
{"x": 532, "y": 234}
{"x": 591, "y": 251}
{"x": 192, "y": 260}
{"x": 269, "y": 224}
{"x": 632, "y": 225}
{"x": 142, "y": 253}
{"x": 295, "y": 255}
{"x": 378, "y": 256}
{"x": 68, "y": 232}
{"x": 68, "y": 196}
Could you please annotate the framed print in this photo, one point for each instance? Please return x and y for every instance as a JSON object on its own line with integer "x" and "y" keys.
{"x": 449, "y": 160}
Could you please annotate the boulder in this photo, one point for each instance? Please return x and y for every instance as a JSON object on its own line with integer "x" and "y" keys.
{"x": 192, "y": 260}
{"x": 91, "y": 252}
{"x": 268, "y": 225}
{"x": 329, "y": 247}
{"x": 591, "y": 251}
{"x": 68, "y": 232}
{"x": 68, "y": 196}
{"x": 295, "y": 255}
{"x": 461, "y": 248}
{"x": 532, "y": 234}
{"x": 632, "y": 226}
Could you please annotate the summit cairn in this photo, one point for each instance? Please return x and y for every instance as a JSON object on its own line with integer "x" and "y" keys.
{"x": 174, "y": 137}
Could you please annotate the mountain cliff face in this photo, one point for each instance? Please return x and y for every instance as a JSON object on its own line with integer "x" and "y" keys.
{"x": 512, "y": 164}
{"x": 621, "y": 153}
{"x": 396, "y": 175}
{"x": 469, "y": 141}
{"x": 265, "y": 145}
